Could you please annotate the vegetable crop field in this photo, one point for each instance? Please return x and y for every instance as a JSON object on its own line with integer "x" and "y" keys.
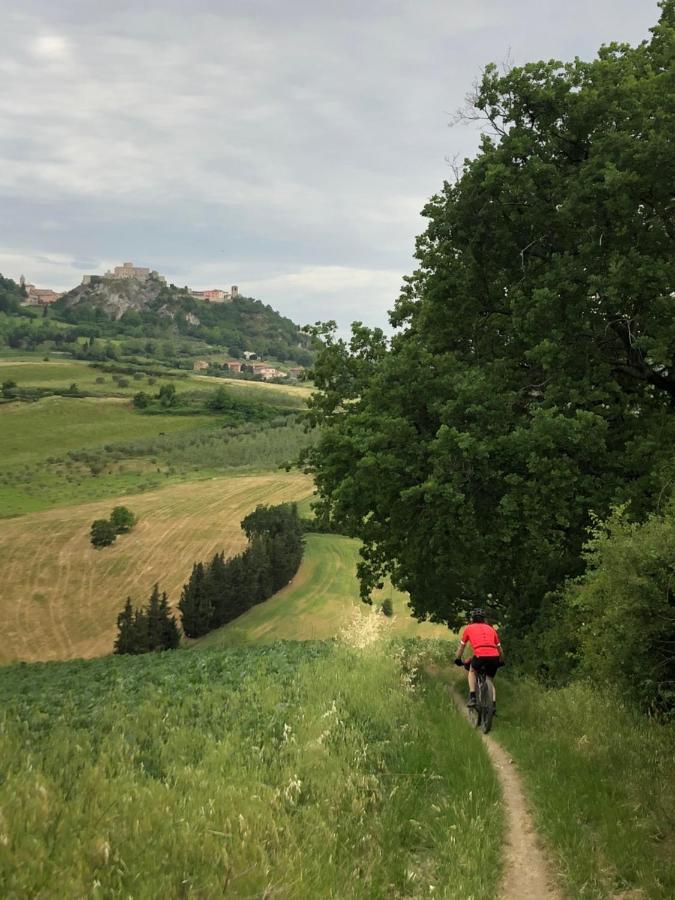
{"x": 290, "y": 771}
{"x": 61, "y": 597}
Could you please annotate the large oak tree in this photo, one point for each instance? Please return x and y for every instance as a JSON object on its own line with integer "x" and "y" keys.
{"x": 531, "y": 381}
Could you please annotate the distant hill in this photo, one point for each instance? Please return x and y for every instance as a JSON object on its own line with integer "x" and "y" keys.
{"x": 150, "y": 308}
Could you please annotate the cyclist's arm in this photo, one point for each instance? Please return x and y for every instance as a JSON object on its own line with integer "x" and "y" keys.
{"x": 460, "y": 649}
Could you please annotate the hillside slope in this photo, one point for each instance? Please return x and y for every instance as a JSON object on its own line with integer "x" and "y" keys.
{"x": 319, "y": 602}
{"x": 287, "y": 772}
{"x": 61, "y": 597}
{"x": 151, "y": 308}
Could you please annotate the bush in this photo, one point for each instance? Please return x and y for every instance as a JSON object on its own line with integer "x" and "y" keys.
{"x": 624, "y": 606}
{"x": 122, "y": 519}
{"x": 388, "y": 608}
{"x": 102, "y": 533}
{"x": 141, "y": 400}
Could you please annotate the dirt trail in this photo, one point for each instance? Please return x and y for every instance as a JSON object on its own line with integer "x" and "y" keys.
{"x": 527, "y": 875}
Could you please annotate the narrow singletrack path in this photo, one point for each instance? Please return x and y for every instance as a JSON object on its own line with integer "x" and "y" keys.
{"x": 527, "y": 874}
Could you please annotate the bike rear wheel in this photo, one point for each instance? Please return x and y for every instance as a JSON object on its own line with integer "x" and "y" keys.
{"x": 485, "y": 705}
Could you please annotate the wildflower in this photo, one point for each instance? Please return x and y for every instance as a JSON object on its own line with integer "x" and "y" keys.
{"x": 293, "y": 790}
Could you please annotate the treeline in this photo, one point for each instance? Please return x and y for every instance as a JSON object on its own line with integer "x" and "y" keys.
{"x": 220, "y": 590}
{"x": 151, "y": 627}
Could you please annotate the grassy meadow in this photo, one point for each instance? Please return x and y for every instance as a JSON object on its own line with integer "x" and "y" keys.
{"x": 318, "y": 603}
{"x": 599, "y": 780}
{"x": 60, "y": 372}
{"x": 61, "y": 597}
{"x": 33, "y": 432}
{"x": 65, "y": 450}
{"x": 288, "y": 771}
{"x": 605, "y": 798}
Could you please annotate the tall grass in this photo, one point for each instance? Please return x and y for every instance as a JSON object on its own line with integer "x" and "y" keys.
{"x": 600, "y": 777}
{"x": 293, "y": 772}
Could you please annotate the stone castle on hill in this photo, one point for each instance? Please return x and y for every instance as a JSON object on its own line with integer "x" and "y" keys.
{"x": 45, "y": 296}
{"x": 140, "y": 273}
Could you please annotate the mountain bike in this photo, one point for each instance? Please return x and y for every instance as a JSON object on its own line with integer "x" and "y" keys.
{"x": 481, "y": 714}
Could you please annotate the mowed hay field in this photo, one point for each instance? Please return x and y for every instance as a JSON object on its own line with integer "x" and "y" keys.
{"x": 60, "y": 597}
{"x": 319, "y": 602}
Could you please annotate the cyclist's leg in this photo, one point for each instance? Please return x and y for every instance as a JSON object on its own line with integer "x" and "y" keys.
{"x": 491, "y": 682}
{"x": 472, "y": 680}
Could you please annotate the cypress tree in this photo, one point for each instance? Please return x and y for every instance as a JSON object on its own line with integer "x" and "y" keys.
{"x": 124, "y": 642}
{"x": 140, "y": 632}
{"x": 154, "y": 622}
{"x": 216, "y": 578}
{"x": 195, "y": 604}
{"x": 169, "y": 633}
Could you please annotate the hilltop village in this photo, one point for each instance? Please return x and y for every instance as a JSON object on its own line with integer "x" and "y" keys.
{"x": 36, "y": 296}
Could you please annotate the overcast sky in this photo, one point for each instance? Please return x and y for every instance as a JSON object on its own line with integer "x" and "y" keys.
{"x": 287, "y": 147}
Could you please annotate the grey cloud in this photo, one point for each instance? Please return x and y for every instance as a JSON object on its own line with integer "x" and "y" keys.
{"x": 278, "y": 144}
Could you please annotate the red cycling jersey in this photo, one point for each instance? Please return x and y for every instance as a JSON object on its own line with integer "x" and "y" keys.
{"x": 483, "y": 638}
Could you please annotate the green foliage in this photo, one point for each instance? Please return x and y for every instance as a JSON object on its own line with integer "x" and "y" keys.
{"x": 122, "y": 519}
{"x": 623, "y": 607}
{"x": 599, "y": 781}
{"x": 532, "y": 381}
{"x": 141, "y": 400}
{"x": 147, "y": 629}
{"x": 103, "y": 533}
{"x": 195, "y": 603}
{"x": 167, "y": 395}
{"x": 220, "y": 400}
{"x": 306, "y": 769}
{"x": 222, "y": 590}
{"x": 387, "y": 607}
{"x": 11, "y": 295}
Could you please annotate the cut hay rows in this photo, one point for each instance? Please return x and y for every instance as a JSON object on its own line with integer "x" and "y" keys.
{"x": 60, "y": 597}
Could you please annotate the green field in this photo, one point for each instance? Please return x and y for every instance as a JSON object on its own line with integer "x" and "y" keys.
{"x": 319, "y": 603}
{"x": 62, "y": 451}
{"x": 59, "y": 372}
{"x": 289, "y": 772}
{"x": 32, "y": 432}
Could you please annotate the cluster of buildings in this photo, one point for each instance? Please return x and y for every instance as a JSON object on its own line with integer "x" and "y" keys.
{"x": 45, "y": 296}
{"x": 262, "y": 369}
{"x": 141, "y": 273}
{"x": 38, "y": 296}
{"x": 216, "y": 295}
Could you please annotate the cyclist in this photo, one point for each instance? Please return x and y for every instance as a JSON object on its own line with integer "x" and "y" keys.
{"x": 487, "y": 657}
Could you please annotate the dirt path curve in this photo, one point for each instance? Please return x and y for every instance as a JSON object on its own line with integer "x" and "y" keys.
{"x": 527, "y": 875}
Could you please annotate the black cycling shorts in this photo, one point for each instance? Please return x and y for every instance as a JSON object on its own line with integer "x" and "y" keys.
{"x": 487, "y": 664}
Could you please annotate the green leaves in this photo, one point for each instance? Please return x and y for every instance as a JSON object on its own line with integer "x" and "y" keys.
{"x": 533, "y": 379}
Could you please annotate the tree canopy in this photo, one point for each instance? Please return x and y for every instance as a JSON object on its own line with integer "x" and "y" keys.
{"x": 532, "y": 378}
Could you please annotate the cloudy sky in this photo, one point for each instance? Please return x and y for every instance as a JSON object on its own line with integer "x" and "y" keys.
{"x": 287, "y": 147}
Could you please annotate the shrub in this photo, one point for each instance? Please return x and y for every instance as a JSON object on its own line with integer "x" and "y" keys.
{"x": 102, "y": 533}
{"x": 388, "y": 607}
{"x": 122, "y": 519}
{"x": 625, "y": 607}
{"x": 141, "y": 400}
